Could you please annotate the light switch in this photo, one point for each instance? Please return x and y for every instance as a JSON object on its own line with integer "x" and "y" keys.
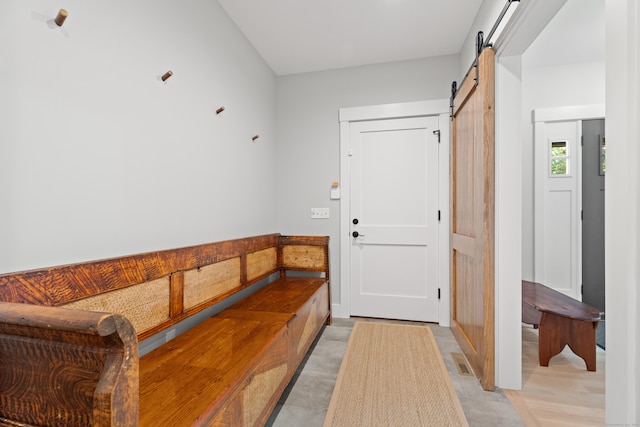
{"x": 320, "y": 213}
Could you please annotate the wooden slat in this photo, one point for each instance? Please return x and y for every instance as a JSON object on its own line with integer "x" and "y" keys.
{"x": 467, "y": 88}
{"x": 177, "y": 294}
{"x": 463, "y": 244}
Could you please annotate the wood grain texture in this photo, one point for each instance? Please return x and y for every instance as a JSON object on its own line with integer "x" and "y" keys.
{"x": 177, "y": 294}
{"x": 472, "y": 219}
{"x": 307, "y": 298}
{"x": 229, "y": 370}
{"x": 562, "y": 321}
{"x": 58, "y": 285}
{"x": 199, "y": 372}
{"x": 262, "y": 263}
{"x": 211, "y": 281}
{"x": 67, "y": 367}
{"x": 145, "y": 305}
{"x": 304, "y": 253}
{"x": 563, "y": 393}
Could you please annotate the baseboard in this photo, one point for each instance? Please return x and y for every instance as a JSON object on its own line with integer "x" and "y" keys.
{"x": 337, "y": 312}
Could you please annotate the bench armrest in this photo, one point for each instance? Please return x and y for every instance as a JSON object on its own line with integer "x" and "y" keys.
{"x": 67, "y": 367}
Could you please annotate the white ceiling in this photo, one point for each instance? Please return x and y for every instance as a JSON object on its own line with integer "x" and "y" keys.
{"x": 296, "y": 36}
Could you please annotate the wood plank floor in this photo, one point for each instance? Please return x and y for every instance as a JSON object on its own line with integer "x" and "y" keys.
{"x": 562, "y": 394}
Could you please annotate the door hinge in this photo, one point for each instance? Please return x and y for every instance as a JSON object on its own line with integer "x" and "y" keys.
{"x": 581, "y": 215}
{"x": 438, "y": 216}
{"x": 581, "y": 289}
{"x": 438, "y": 293}
{"x": 437, "y": 132}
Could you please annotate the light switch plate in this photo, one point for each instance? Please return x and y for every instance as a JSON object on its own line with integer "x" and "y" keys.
{"x": 320, "y": 213}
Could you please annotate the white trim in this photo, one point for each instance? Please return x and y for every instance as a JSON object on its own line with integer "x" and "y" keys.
{"x": 444, "y": 273}
{"x": 542, "y": 116}
{"x": 522, "y": 29}
{"x": 345, "y": 303}
{"x": 394, "y": 111}
{"x": 622, "y": 210}
{"x": 574, "y": 112}
{"x": 527, "y": 22}
{"x": 439, "y": 108}
{"x": 508, "y": 224}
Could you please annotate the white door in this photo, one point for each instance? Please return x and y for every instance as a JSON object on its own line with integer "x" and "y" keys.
{"x": 394, "y": 218}
{"x": 557, "y": 226}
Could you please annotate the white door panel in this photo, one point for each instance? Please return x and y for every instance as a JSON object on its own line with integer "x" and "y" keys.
{"x": 393, "y": 200}
{"x": 557, "y": 228}
{"x": 399, "y": 281}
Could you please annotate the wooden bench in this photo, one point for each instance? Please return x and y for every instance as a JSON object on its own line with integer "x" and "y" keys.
{"x": 562, "y": 321}
{"x": 69, "y": 335}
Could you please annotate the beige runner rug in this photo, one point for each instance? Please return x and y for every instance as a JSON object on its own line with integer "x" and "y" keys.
{"x": 393, "y": 375}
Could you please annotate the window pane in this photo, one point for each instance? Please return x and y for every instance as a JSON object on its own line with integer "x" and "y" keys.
{"x": 559, "y": 167}
{"x": 559, "y": 149}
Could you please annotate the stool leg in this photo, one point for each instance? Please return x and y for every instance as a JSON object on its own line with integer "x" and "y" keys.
{"x": 558, "y": 331}
{"x": 583, "y": 342}
{"x": 553, "y": 334}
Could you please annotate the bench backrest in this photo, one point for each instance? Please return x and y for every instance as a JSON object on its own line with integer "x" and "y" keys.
{"x": 156, "y": 290}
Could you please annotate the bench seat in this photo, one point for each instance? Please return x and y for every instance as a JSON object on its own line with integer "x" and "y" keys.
{"x": 562, "y": 321}
{"x": 201, "y": 377}
{"x": 306, "y": 298}
{"x": 256, "y": 343}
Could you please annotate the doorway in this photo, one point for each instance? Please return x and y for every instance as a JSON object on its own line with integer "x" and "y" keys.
{"x": 394, "y": 180}
{"x": 594, "y": 166}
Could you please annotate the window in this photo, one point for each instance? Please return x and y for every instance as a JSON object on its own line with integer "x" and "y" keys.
{"x": 559, "y": 158}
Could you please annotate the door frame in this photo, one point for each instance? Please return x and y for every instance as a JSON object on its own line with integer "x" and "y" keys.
{"x": 439, "y": 108}
{"x": 528, "y": 21}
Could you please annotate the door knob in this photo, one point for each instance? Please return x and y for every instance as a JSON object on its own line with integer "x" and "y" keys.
{"x": 356, "y": 234}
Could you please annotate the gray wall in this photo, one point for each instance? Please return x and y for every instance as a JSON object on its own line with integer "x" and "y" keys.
{"x": 308, "y": 159}
{"x": 100, "y": 158}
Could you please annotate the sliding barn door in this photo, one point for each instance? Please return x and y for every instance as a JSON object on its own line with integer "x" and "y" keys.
{"x": 472, "y": 218}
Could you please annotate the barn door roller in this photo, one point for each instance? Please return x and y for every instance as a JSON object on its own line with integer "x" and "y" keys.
{"x": 481, "y": 43}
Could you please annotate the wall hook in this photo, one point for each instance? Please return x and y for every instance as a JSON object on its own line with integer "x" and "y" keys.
{"x": 219, "y": 110}
{"x": 62, "y": 15}
{"x": 255, "y": 137}
{"x": 166, "y": 75}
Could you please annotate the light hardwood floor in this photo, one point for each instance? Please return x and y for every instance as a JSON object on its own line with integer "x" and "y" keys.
{"x": 562, "y": 394}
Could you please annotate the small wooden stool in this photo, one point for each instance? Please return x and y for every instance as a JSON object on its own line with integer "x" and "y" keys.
{"x": 562, "y": 321}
